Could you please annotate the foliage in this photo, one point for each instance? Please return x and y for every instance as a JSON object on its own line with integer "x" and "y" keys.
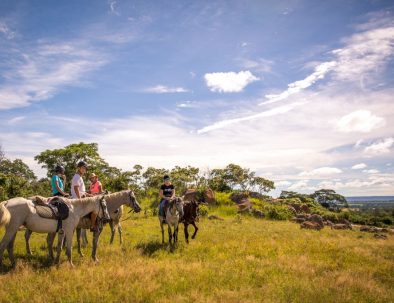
{"x": 203, "y": 210}
{"x": 234, "y": 177}
{"x": 330, "y": 199}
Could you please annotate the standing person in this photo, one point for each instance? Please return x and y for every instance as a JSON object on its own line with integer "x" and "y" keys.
{"x": 58, "y": 182}
{"x": 78, "y": 189}
{"x": 167, "y": 192}
{"x": 95, "y": 185}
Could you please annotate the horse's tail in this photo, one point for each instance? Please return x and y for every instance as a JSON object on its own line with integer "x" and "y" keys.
{"x": 5, "y": 215}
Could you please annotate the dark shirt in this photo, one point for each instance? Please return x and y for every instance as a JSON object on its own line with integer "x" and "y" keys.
{"x": 167, "y": 190}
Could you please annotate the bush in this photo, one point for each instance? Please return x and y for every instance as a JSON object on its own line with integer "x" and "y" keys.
{"x": 203, "y": 210}
{"x": 278, "y": 212}
{"x": 223, "y": 198}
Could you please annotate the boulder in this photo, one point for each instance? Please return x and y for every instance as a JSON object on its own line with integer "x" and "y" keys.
{"x": 209, "y": 196}
{"x": 311, "y": 225}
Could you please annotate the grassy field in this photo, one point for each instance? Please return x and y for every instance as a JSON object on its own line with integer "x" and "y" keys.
{"x": 240, "y": 259}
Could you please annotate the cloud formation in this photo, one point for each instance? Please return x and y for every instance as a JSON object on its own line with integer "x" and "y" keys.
{"x": 230, "y": 82}
{"x": 359, "y": 166}
{"x": 321, "y": 171}
{"x": 162, "y": 89}
{"x": 381, "y": 147}
{"x": 43, "y": 71}
{"x": 360, "y": 121}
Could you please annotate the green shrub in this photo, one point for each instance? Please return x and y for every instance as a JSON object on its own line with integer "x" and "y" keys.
{"x": 277, "y": 212}
{"x": 223, "y": 198}
{"x": 203, "y": 210}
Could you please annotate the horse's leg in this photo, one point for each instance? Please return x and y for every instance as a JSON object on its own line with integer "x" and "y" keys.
{"x": 69, "y": 241}
{"x": 84, "y": 236}
{"x": 9, "y": 234}
{"x": 169, "y": 233}
{"x": 50, "y": 239}
{"x": 195, "y": 230}
{"x": 28, "y": 233}
{"x": 112, "y": 226}
{"x": 120, "y": 233}
{"x": 79, "y": 241}
{"x": 60, "y": 239}
{"x": 10, "y": 248}
{"x": 96, "y": 237}
{"x": 162, "y": 230}
{"x": 176, "y": 232}
{"x": 185, "y": 225}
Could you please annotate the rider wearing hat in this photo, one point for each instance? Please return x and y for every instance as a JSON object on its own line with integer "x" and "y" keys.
{"x": 78, "y": 189}
{"x": 58, "y": 182}
{"x": 167, "y": 193}
{"x": 95, "y": 185}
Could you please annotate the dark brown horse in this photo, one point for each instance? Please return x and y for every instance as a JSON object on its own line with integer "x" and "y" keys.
{"x": 190, "y": 216}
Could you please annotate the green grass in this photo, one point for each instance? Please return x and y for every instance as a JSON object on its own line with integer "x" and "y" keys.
{"x": 240, "y": 259}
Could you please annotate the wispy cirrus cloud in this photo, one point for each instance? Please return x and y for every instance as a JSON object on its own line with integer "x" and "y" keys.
{"x": 269, "y": 113}
{"x": 163, "y": 89}
{"x": 229, "y": 82}
{"x": 40, "y": 72}
{"x": 320, "y": 71}
{"x": 6, "y": 31}
{"x": 321, "y": 171}
{"x": 359, "y": 166}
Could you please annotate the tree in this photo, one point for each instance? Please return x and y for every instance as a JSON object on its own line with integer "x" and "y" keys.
{"x": 328, "y": 198}
{"x": 70, "y": 155}
{"x": 262, "y": 185}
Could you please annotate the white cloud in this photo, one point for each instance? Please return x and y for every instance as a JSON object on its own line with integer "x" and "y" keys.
{"x": 322, "y": 171}
{"x": 365, "y": 53}
{"x": 370, "y": 171}
{"x": 43, "y": 71}
{"x": 259, "y": 65}
{"x": 359, "y": 166}
{"x": 113, "y": 10}
{"x": 162, "y": 89}
{"x": 301, "y": 185}
{"x": 229, "y": 82}
{"x": 269, "y": 113}
{"x": 298, "y": 86}
{"x": 282, "y": 183}
{"x": 360, "y": 121}
{"x": 6, "y": 31}
{"x": 380, "y": 147}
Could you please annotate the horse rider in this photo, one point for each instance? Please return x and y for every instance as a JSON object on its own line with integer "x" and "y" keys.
{"x": 78, "y": 190}
{"x": 95, "y": 185}
{"x": 167, "y": 193}
{"x": 58, "y": 182}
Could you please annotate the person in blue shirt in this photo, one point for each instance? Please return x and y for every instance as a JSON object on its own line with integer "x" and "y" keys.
{"x": 58, "y": 182}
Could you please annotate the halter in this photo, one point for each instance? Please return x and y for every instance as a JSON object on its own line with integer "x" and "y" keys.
{"x": 101, "y": 220}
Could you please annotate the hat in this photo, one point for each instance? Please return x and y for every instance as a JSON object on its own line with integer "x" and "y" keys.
{"x": 92, "y": 175}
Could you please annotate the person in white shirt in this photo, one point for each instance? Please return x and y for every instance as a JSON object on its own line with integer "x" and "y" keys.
{"x": 78, "y": 189}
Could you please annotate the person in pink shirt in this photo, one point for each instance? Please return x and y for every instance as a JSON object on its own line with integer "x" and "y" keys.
{"x": 95, "y": 185}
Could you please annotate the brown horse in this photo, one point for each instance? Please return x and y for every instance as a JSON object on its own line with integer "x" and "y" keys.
{"x": 190, "y": 216}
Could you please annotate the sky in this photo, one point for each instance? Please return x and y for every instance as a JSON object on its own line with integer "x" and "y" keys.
{"x": 301, "y": 92}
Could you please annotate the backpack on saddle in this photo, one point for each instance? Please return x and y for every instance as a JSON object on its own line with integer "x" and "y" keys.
{"x": 52, "y": 208}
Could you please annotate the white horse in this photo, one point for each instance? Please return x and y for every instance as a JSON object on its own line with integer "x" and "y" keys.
{"x": 114, "y": 201}
{"x": 20, "y": 211}
{"x": 173, "y": 213}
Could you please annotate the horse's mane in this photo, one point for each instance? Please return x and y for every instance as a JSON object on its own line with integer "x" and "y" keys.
{"x": 118, "y": 193}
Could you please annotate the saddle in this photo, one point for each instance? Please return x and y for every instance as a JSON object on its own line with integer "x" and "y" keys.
{"x": 52, "y": 208}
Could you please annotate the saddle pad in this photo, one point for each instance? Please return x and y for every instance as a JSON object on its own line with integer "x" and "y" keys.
{"x": 45, "y": 212}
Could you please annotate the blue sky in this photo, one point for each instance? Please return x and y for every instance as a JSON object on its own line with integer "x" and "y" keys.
{"x": 299, "y": 91}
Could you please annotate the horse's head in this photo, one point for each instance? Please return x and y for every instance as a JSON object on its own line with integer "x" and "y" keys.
{"x": 178, "y": 202}
{"x": 133, "y": 203}
{"x": 102, "y": 209}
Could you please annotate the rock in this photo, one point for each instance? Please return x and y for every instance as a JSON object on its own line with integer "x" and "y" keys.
{"x": 213, "y": 217}
{"x": 316, "y": 218}
{"x": 380, "y": 236}
{"x": 244, "y": 205}
{"x": 341, "y": 226}
{"x": 209, "y": 196}
{"x": 305, "y": 208}
{"x": 311, "y": 225}
{"x": 238, "y": 197}
{"x": 257, "y": 213}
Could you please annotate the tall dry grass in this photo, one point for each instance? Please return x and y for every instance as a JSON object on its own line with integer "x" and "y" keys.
{"x": 239, "y": 259}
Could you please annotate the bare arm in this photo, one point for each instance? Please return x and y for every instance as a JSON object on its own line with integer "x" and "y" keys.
{"x": 173, "y": 194}
{"x": 161, "y": 194}
{"x": 77, "y": 193}
{"x": 59, "y": 189}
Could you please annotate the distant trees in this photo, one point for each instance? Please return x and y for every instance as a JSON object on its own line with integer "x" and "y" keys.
{"x": 328, "y": 198}
{"x": 234, "y": 177}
